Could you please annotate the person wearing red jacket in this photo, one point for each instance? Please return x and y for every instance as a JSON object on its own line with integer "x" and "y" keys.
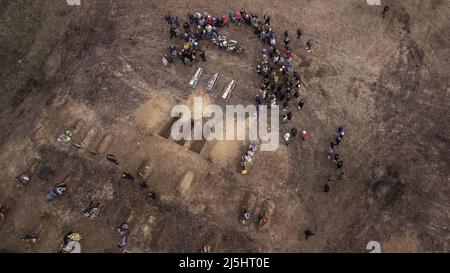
{"x": 226, "y": 21}
{"x": 305, "y": 136}
{"x": 238, "y": 16}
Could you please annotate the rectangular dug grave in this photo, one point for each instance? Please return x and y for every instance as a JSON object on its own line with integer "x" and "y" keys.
{"x": 79, "y": 132}
{"x": 165, "y": 132}
{"x": 265, "y": 213}
{"x": 248, "y": 205}
{"x": 32, "y": 166}
{"x": 181, "y": 142}
{"x": 90, "y": 137}
{"x": 77, "y": 127}
{"x": 104, "y": 144}
{"x": 197, "y": 146}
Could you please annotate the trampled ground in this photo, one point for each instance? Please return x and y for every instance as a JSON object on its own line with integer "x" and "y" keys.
{"x": 97, "y": 69}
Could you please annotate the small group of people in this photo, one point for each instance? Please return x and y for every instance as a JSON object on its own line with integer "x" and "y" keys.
{"x": 188, "y": 53}
{"x": 265, "y": 32}
{"x": 71, "y": 241}
{"x": 293, "y": 133}
{"x": 152, "y": 196}
{"x": 247, "y": 159}
{"x": 263, "y": 218}
{"x": 30, "y": 238}
{"x": 331, "y": 154}
{"x": 335, "y": 157}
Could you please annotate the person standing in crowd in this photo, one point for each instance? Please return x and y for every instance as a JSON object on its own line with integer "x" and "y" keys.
{"x": 299, "y": 33}
{"x": 301, "y": 104}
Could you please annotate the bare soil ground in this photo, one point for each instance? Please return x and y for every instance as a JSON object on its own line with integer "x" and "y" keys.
{"x": 97, "y": 69}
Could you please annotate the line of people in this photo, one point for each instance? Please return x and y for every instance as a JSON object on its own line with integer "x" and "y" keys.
{"x": 335, "y": 157}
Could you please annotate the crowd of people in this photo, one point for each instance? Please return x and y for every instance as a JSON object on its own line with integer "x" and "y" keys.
{"x": 199, "y": 26}
{"x": 203, "y": 26}
{"x": 281, "y": 85}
